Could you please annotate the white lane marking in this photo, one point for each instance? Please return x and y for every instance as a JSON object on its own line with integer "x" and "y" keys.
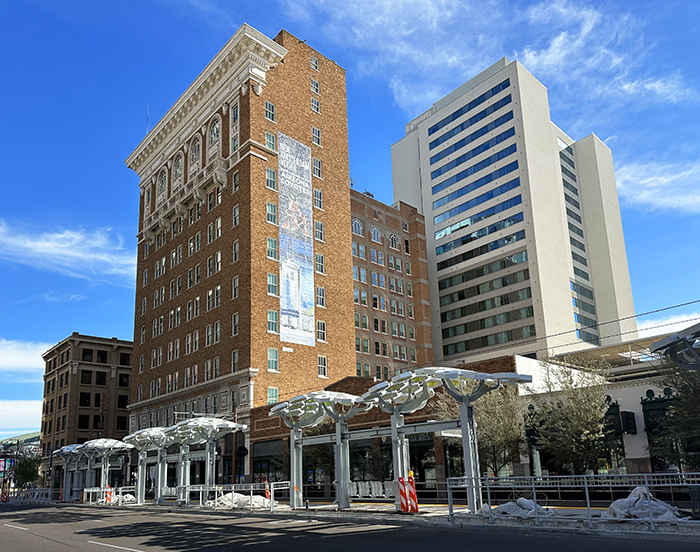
{"x": 15, "y": 526}
{"x": 114, "y": 546}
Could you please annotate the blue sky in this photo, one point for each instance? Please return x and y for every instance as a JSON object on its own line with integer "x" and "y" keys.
{"x": 77, "y": 76}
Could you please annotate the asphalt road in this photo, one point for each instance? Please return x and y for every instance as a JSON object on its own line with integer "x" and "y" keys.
{"x": 68, "y": 528}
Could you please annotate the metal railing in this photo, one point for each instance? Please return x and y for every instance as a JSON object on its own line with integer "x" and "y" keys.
{"x": 582, "y": 492}
{"x": 213, "y": 495}
{"x": 114, "y": 496}
{"x": 33, "y": 496}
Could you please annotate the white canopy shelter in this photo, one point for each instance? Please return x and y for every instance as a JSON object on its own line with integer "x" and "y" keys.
{"x": 193, "y": 431}
{"x": 91, "y": 450}
{"x": 406, "y": 393}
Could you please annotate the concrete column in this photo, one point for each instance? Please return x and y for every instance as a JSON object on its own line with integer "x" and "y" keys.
{"x": 66, "y": 483}
{"x": 210, "y": 464}
{"x": 105, "y": 471}
{"x": 160, "y": 475}
{"x": 296, "y": 476}
{"x": 90, "y": 473}
{"x": 141, "y": 478}
{"x": 399, "y": 451}
{"x": 342, "y": 466}
{"x": 183, "y": 472}
{"x": 470, "y": 451}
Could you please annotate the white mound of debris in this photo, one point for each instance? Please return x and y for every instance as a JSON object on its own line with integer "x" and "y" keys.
{"x": 236, "y": 500}
{"x": 640, "y": 505}
{"x": 127, "y": 498}
{"x": 520, "y": 508}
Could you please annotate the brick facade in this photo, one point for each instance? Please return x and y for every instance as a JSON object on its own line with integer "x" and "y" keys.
{"x": 87, "y": 384}
{"x": 226, "y": 194}
{"x": 392, "y": 304}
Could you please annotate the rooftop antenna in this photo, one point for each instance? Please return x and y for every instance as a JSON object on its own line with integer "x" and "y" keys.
{"x": 146, "y": 117}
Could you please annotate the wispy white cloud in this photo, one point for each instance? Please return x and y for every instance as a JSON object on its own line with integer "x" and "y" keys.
{"x": 18, "y": 417}
{"x": 96, "y": 256}
{"x": 53, "y": 297}
{"x": 421, "y": 48}
{"x": 22, "y": 356}
{"x": 653, "y": 327}
{"x": 660, "y": 186}
{"x": 670, "y": 88}
{"x": 425, "y": 48}
{"x": 596, "y": 50}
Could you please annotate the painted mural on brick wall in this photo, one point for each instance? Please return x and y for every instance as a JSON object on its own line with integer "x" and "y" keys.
{"x": 297, "y": 292}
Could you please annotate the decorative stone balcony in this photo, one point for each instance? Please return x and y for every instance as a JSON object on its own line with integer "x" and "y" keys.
{"x": 214, "y": 174}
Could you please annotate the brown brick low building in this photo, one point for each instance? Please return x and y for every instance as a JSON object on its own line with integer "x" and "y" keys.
{"x": 87, "y": 386}
{"x": 391, "y": 296}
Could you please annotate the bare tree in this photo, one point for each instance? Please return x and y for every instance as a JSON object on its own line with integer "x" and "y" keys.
{"x": 568, "y": 422}
{"x": 499, "y": 425}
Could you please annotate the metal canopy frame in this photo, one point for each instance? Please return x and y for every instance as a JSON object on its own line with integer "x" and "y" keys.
{"x": 683, "y": 348}
{"x": 406, "y": 393}
{"x": 96, "y": 448}
{"x": 192, "y": 431}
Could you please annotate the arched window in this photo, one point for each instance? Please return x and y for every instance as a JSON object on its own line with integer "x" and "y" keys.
{"x": 393, "y": 242}
{"x": 162, "y": 183}
{"x": 161, "y": 188}
{"x": 195, "y": 152}
{"x": 376, "y": 234}
{"x": 214, "y": 132}
{"x": 177, "y": 168}
{"x": 357, "y": 227}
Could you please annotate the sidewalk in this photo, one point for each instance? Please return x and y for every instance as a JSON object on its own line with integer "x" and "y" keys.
{"x": 564, "y": 520}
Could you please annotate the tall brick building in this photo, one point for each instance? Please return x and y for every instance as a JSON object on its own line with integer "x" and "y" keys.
{"x": 86, "y": 392}
{"x": 244, "y": 254}
{"x": 391, "y": 294}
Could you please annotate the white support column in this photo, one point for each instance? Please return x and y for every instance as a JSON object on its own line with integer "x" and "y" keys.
{"x": 342, "y": 463}
{"x": 66, "y": 483}
{"x": 188, "y": 469}
{"x": 296, "y": 494}
{"x": 141, "y": 478}
{"x": 470, "y": 451}
{"x": 398, "y": 454}
{"x": 104, "y": 474}
{"x": 90, "y": 473}
{"x": 210, "y": 464}
{"x": 161, "y": 468}
{"x": 183, "y": 474}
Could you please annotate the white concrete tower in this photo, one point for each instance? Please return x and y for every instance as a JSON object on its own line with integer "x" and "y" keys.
{"x": 525, "y": 246}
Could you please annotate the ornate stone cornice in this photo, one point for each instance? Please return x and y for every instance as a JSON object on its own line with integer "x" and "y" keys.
{"x": 248, "y": 54}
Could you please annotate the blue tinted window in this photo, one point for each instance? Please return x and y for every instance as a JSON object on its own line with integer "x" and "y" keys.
{"x": 510, "y": 150}
{"x": 572, "y": 201}
{"x": 475, "y": 185}
{"x": 471, "y": 105}
{"x": 580, "y": 259}
{"x": 477, "y": 201}
{"x": 471, "y": 121}
{"x": 471, "y": 138}
{"x": 568, "y": 173}
{"x": 478, "y": 217}
{"x": 473, "y": 153}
